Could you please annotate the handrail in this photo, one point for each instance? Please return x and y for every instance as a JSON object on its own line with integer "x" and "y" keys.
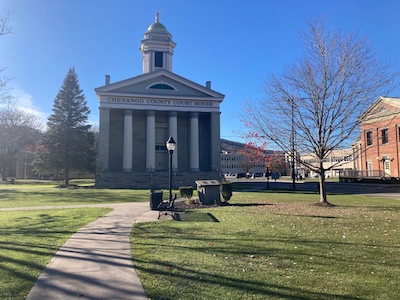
{"x": 363, "y": 174}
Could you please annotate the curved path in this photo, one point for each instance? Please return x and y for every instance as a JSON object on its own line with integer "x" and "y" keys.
{"x": 96, "y": 262}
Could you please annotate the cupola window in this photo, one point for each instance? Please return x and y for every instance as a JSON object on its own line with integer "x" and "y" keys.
{"x": 158, "y": 59}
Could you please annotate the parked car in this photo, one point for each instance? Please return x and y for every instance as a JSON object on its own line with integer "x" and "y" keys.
{"x": 240, "y": 175}
{"x": 255, "y": 175}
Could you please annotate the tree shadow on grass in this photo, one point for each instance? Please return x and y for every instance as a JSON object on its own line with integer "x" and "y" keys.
{"x": 249, "y": 204}
{"x": 246, "y": 287}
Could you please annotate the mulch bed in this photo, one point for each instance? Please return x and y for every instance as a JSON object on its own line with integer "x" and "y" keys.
{"x": 184, "y": 205}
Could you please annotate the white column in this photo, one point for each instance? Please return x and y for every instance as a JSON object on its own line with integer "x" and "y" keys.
{"x": 194, "y": 141}
{"x": 128, "y": 141}
{"x": 173, "y": 131}
{"x": 151, "y": 140}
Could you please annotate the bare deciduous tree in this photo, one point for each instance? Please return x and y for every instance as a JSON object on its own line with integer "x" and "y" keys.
{"x": 17, "y": 130}
{"x": 5, "y": 95}
{"x": 314, "y": 103}
{"x": 5, "y": 28}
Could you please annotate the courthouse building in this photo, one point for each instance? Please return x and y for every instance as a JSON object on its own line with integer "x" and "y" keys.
{"x": 137, "y": 115}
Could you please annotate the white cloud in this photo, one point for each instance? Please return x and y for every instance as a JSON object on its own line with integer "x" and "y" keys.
{"x": 25, "y": 102}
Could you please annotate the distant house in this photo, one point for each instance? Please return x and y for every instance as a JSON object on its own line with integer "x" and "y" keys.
{"x": 234, "y": 162}
{"x": 378, "y": 146}
{"x": 339, "y": 160}
{"x": 23, "y": 165}
{"x": 22, "y": 168}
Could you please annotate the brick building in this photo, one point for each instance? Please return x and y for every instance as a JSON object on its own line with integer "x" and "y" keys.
{"x": 378, "y": 146}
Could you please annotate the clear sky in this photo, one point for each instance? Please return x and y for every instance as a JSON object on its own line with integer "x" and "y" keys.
{"x": 232, "y": 43}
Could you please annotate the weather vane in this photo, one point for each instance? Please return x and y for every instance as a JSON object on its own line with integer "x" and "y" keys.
{"x": 157, "y": 16}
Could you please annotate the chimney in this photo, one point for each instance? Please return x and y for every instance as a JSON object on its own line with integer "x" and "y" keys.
{"x": 208, "y": 85}
{"x": 107, "y": 79}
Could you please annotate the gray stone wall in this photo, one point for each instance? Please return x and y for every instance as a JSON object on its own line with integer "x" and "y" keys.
{"x": 116, "y": 140}
{"x": 139, "y": 141}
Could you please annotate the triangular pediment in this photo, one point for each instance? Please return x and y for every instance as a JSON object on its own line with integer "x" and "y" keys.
{"x": 159, "y": 83}
{"x": 382, "y": 107}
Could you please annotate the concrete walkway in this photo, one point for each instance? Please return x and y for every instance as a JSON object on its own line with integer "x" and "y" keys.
{"x": 96, "y": 262}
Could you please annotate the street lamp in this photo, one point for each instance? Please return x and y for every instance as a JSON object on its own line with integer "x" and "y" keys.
{"x": 170, "y": 147}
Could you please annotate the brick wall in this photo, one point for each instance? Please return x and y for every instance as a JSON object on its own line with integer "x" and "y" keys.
{"x": 379, "y": 148}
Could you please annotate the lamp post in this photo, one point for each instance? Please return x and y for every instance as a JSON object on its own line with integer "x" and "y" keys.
{"x": 170, "y": 147}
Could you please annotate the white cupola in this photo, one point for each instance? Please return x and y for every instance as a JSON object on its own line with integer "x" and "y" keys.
{"x": 157, "y": 48}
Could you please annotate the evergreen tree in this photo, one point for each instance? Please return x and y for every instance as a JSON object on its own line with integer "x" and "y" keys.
{"x": 68, "y": 143}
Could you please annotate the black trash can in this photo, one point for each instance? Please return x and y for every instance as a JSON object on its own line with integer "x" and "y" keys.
{"x": 156, "y": 197}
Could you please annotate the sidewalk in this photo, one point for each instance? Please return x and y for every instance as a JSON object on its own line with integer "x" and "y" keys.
{"x": 96, "y": 262}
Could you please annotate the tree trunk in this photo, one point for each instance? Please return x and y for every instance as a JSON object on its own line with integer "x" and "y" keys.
{"x": 322, "y": 189}
{"x": 66, "y": 179}
{"x": 4, "y": 174}
{"x": 323, "y": 200}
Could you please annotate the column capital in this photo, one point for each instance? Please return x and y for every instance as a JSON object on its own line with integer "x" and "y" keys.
{"x": 128, "y": 112}
{"x": 150, "y": 113}
{"x": 194, "y": 114}
{"x": 173, "y": 114}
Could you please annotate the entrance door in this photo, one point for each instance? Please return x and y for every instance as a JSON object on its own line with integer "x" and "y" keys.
{"x": 386, "y": 165}
{"x": 369, "y": 168}
{"x": 161, "y": 149}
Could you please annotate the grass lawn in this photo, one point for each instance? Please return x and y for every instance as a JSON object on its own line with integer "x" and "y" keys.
{"x": 41, "y": 193}
{"x": 271, "y": 245}
{"x": 28, "y": 241}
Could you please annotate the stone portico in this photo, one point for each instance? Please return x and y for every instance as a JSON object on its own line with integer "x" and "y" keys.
{"x": 137, "y": 115}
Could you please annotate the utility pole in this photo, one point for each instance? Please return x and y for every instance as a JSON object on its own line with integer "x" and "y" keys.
{"x": 293, "y": 148}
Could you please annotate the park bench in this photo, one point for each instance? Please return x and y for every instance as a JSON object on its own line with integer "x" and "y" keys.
{"x": 164, "y": 207}
{"x": 167, "y": 207}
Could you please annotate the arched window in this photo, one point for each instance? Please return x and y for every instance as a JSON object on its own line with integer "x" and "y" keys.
{"x": 161, "y": 86}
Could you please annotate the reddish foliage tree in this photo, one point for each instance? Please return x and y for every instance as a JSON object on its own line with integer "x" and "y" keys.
{"x": 253, "y": 155}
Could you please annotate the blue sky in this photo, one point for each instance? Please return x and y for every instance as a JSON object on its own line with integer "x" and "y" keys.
{"x": 234, "y": 44}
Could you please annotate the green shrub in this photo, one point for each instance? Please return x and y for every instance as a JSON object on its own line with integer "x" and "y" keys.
{"x": 226, "y": 190}
{"x": 186, "y": 192}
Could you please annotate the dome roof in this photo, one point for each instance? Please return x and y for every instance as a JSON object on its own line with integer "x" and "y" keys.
{"x": 157, "y": 27}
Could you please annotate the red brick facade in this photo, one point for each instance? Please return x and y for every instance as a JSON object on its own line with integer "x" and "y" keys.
{"x": 380, "y": 141}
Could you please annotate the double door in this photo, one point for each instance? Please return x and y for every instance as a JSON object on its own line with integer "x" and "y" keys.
{"x": 161, "y": 149}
